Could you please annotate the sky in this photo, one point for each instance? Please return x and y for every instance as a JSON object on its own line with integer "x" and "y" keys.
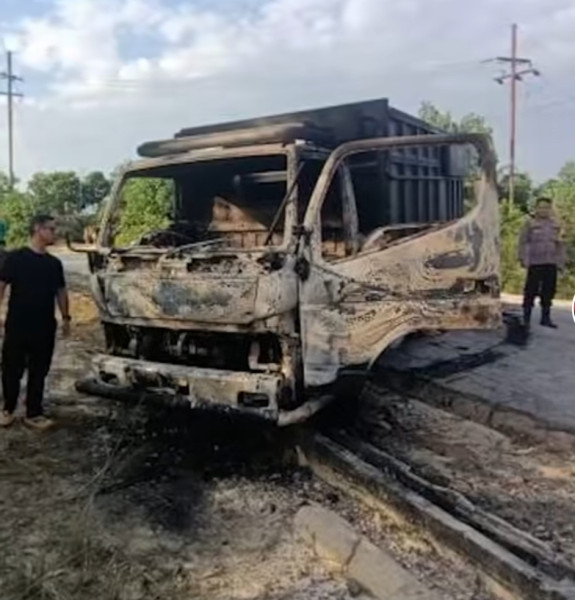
{"x": 101, "y": 76}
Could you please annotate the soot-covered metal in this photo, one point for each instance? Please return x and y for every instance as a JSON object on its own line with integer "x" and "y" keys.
{"x": 289, "y": 286}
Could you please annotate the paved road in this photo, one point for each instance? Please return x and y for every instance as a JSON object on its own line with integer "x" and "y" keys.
{"x": 538, "y": 380}
{"x": 75, "y": 263}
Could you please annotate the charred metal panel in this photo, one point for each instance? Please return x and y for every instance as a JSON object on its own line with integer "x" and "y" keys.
{"x": 198, "y": 385}
{"x": 448, "y": 278}
{"x": 272, "y": 134}
{"x": 153, "y": 296}
{"x": 345, "y": 122}
{"x": 207, "y": 289}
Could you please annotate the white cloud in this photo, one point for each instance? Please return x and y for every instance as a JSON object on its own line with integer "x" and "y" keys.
{"x": 82, "y": 36}
{"x": 188, "y": 64}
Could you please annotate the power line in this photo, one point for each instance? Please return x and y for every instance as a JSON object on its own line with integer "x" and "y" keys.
{"x": 167, "y": 84}
{"x": 569, "y": 97}
{"x": 10, "y": 78}
{"x": 519, "y": 68}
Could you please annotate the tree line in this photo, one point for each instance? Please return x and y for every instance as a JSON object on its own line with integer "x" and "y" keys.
{"x": 73, "y": 200}
{"x": 76, "y": 201}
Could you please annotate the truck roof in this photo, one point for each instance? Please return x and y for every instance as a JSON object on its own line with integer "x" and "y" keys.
{"x": 346, "y": 122}
{"x": 327, "y": 127}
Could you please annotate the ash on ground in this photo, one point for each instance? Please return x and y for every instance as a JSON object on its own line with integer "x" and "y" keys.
{"x": 530, "y": 485}
{"x": 122, "y": 504}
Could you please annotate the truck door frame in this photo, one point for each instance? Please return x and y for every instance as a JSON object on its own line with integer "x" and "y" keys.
{"x": 348, "y": 315}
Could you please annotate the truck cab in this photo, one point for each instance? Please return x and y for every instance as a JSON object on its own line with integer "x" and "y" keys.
{"x": 294, "y": 250}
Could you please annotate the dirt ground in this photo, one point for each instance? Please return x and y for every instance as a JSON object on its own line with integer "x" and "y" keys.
{"x": 118, "y": 504}
{"x": 115, "y": 505}
{"x": 528, "y": 485}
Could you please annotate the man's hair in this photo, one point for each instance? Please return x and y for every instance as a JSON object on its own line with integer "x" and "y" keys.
{"x": 543, "y": 200}
{"x": 39, "y": 221}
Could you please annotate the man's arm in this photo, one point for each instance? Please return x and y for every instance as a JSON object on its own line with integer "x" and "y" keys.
{"x": 63, "y": 303}
{"x": 3, "y": 286}
{"x": 63, "y": 300}
{"x": 64, "y": 306}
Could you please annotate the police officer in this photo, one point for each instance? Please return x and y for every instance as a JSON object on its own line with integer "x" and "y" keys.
{"x": 542, "y": 253}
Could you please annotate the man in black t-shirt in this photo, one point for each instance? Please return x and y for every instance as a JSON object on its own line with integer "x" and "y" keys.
{"x": 36, "y": 280}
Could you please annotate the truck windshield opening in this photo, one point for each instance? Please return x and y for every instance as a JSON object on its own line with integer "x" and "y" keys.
{"x": 233, "y": 200}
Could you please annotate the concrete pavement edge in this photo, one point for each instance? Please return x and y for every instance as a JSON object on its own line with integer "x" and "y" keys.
{"x": 556, "y": 435}
{"x": 350, "y": 554}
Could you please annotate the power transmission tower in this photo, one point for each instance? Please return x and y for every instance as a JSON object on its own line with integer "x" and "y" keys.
{"x": 518, "y": 69}
{"x": 10, "y": 78}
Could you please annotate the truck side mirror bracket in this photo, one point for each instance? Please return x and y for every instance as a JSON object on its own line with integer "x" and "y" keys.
{"x": 301, "y": 232}
{"x": 74, "y": 249}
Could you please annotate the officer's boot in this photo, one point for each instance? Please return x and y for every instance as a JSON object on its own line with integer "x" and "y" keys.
{"x": 546, "y": 317}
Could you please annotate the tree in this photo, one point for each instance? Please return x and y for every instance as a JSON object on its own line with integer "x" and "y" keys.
{"x": 17, "y": 209}
{"x": 95, "y": 187}
{"x": 4, "y": 185}
{"x": 57, "y": 193}
{"x": 145, "y": 206}
{"x": 524, "y": 190}
{"x": 562, "y": 191}
{"x": 567, "y": 173}
{"x": 469, "y": 123}
{"x": 512, "y": 220}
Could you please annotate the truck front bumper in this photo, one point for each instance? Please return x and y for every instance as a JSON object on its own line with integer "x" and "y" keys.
{"x": 254, "y": 393}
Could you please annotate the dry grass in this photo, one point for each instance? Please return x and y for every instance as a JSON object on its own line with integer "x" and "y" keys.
{"x": 86, "y": 325}
{"x": 79, "y": 563}
{"x": 57, "y": 545}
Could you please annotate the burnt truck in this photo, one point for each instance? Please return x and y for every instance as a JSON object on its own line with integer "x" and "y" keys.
{"x": 296, "y": 249}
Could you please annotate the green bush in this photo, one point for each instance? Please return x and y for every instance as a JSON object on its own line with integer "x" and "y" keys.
{"x": 16, "y": 209}
{"x": 512, "y": 274}
{"x": 146, "y": 205}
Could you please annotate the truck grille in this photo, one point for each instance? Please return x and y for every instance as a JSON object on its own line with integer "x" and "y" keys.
{"x": 229, "y": 351}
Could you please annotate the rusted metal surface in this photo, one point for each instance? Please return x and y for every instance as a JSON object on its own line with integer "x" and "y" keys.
{"x": 216, "y": 386}
{"x": 304, "y": 309}
{"x": 238, "y": 292}
{"x": 252, "y": 136}
{"x": 352, "y": 309}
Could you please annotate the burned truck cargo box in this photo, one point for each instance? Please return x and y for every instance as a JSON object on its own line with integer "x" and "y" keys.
{"x": 289, "y": 251}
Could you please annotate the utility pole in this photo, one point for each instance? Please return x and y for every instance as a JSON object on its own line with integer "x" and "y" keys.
{"x": 513, "y": 128}
{"x": 518, "y": 69}
{"x": 10, "y": 78}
